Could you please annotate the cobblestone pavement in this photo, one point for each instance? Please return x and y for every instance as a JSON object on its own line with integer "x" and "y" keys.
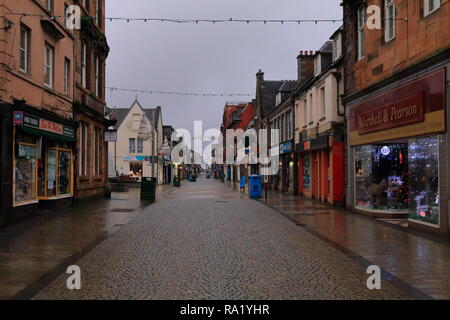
{"x": 37, "y": 248}
{"x": 205, "y": 241}
{"x": 414, "y": 261}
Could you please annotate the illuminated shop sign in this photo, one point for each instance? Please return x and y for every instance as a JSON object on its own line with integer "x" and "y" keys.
{"x": 413, "y": 109}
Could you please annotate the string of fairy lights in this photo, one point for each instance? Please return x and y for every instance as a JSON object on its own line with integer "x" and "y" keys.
{"x": 192, "y": 94}
{"x": 191, "y": 21}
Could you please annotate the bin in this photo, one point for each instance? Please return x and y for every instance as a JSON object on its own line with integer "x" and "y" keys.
{"x": 148, "y": 189}
{"x": 176, "y": 182}
{"x": 255, "y": 186}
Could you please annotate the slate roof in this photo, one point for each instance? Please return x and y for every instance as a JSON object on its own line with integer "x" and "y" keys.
{"x": 269, "y": 92}
{"x": 121, "y": 113}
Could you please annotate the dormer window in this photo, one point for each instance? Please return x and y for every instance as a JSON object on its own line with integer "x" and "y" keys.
{"x": 279, "y": 98}
{"x": 317, "y": 65}
{"x": 337, "y": 47}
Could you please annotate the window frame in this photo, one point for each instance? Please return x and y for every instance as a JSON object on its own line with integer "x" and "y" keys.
{"x": 67, "y": 68}
{"x": 426, "y": 7}
{"x": 360, "y": 28}
{"x": 390, "y": 21}
{"x": 84, "y": 56}
{"x": 49, "y": 66}
{"x": 26, "y": 50}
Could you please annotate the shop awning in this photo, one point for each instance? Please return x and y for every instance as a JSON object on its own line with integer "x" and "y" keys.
{"x": 48, "y": 135}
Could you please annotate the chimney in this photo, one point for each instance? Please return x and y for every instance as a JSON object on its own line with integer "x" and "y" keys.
{"x": 259, "y": 77}
{"x": 305, "y": 65}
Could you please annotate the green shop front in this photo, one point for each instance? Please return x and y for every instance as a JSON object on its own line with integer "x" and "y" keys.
{"x": 42, "y": 162}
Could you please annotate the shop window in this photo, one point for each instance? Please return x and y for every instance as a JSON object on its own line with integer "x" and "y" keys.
{"x": 307, "y": 171}
{"x": 424, "y": 179}
{"x": 52, "y": 156}
{"x": 25, "y": 174}
{"x": 64, "y": 172}
{"x": 381, "y": 177}
{"x": 57, "y": 178}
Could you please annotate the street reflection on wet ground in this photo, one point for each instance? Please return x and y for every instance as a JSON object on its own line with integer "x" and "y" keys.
{"x": 416, "y": 262}
{"x": 30, "y": 249}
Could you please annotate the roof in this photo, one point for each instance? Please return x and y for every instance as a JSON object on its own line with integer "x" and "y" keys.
{"x": 269, "y": 92}
{"x": 121, "y": 113}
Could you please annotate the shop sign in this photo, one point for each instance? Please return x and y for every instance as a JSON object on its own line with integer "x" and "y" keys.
{"x": 51, "y": 126}
{"x": 68, "y": 131}
{"x": 140, "y": 159}
{"x": 111, "y": 136}
{"x": 400, "y": 113}
{"x": 413, "y": 109}
{"x": 31, "y": 121}
{"x": 18, "y": 118}
{"x": 286, "y": 147}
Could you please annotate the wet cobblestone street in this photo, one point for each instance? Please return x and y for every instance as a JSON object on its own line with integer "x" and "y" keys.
{"x": 206, "y": 241}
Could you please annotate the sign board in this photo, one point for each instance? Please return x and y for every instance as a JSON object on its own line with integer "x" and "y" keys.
{"x": 46, "y": 125}
{"x": 111, "y": 136}
{"x": 286, "y": 147}
{"x": 412, "y": 109}
{"x": 18, "y": 118}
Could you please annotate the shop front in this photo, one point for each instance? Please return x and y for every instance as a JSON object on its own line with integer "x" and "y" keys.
{"x": 397, "y": 152}
{"x": 321, "y": 168}
{"x": 43, "y": 162}
{"x": 286, "y": 175}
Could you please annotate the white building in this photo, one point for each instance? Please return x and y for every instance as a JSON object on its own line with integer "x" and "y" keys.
{"x": 140, "y": 139}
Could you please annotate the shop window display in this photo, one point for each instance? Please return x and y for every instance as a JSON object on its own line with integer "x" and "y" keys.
{"x": 64, "y": 172}
{"x": 307, "y": 171}
{"x": 424, "y": 179}
{"x": 25, "y": 173}
{"x": 381, "y": 177}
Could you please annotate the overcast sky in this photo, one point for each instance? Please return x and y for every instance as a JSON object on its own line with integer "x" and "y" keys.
{"x": 206, "y": 57}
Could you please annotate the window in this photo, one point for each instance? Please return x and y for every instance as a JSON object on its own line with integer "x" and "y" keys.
{"x": 307, "y": 171}
{"x": 64, "y": 172}
{"x": 140, "y": 146}
{"x": 361, "y": 34}
{"x": 305, "y": 113}
{"x": 97, "y": 76}
{"x": 310, "y": 116}
{"x": 317, "y": 65}
{"x": 97, "y": 152}
{"x": 24, "y": 48}
{"x": 82, "y": 157}
{"x": 430, "y": 6}
{"x": 278, "y": 98}
{"x": 83, "y": 65}
{"x": 49, "y": 5}
{"x": 322, "y": 102}
{"x": 132, "y": 145}
{"x": 97, "y": 11}
{"x": 337, "y": 47}
{"x": 389, "y": 23}
{"x": 49, "y": 57}
{"x": 25, "y": 173}
{"x": 66, "y": 75}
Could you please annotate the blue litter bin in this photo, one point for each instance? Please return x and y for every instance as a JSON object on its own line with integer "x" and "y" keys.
{"x": 243, "y": 182}
{"x": 255, "y": 186}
